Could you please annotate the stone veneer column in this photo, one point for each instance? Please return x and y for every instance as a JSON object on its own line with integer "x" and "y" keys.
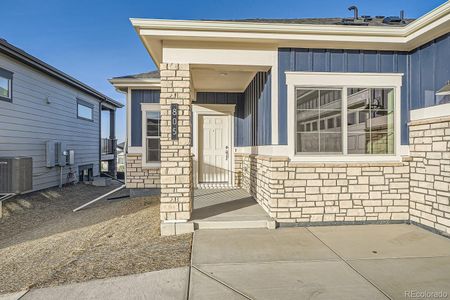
{"x": 176, "y": 159}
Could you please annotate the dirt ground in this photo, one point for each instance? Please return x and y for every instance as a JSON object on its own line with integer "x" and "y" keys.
{"x": 43, "y": 243}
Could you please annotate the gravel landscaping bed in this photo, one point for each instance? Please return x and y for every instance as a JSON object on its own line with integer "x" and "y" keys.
{"x": 43, "y": 243}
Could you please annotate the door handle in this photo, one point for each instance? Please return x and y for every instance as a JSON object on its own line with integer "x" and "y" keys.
{"x": 226, "y": 152}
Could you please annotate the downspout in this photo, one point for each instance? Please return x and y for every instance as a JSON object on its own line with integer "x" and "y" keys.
{"x": 100, "y": 138}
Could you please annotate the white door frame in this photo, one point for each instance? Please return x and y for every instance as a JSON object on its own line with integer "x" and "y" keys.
{"x": 212, "y": 110}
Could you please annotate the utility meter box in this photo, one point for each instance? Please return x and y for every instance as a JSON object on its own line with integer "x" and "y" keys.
{"x": 50, "y": 155}
{"x": 61, "y": 153}
{"x": 70, "y": 157}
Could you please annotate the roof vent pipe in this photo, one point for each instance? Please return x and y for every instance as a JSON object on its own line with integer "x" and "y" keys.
{"x": 355, "y": 10}
{"x": 402, "y": 15}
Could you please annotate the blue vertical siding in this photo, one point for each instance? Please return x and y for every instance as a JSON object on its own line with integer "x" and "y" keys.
{"x": 425, "y": 69}
{"x": 430, "y": 70}
{"x": 138, "y": 97}
{"x": 258, "y": 111}
{"x": 325, "y": 60}
{"x": 253, "y": 124}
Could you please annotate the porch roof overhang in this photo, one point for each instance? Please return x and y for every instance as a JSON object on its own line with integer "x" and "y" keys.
{"x": 154, "y": 33}
{"x": 122, "y": 84}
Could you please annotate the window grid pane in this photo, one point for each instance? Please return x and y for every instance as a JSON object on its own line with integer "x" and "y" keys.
{"x": 153, "y": 133}
{"x": 370, "y": 123}
{"x": 318, "y": 114}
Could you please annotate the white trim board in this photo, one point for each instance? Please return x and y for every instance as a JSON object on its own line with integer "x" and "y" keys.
{"x": 280, "y": 150}
{"x": 437, "y": 111}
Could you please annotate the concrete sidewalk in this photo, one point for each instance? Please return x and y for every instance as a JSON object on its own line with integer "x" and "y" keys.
{"x": 165, "y": 284}
{"x": 340, "y": 262}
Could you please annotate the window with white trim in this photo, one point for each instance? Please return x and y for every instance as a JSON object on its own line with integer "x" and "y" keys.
{"x": 153, "y": 136}
{"x": 369, "y": 114}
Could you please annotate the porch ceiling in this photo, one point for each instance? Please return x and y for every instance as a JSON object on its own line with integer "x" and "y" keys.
{"x": 223, "y": 78}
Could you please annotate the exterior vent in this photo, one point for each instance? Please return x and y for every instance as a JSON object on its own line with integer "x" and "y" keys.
{"x": 16, "y": 175}
{"x": 392, "y": 20}
{"x": 356, "y": 19}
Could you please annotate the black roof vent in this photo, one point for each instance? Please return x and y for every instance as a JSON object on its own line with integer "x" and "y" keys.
{"x": 355, "y": 11}
{"x": 379, "y": 17}
{"x": 392, "y": 20}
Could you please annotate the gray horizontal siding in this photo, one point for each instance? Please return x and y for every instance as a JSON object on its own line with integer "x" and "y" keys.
{"x": 426, "y": 69}
{"x": 28, "y": 122}
{"x": 137, "y": 98}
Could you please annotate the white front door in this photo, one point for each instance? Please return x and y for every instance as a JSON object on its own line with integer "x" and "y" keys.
{"x": 214, "y": 149}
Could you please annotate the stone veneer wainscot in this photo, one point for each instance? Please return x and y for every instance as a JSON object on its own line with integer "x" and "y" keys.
{"x": 430, "y": 173}
{"x": 312, "y": 193}
{"x": 138, "y": 176}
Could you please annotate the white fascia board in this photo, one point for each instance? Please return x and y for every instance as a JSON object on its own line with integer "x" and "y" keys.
{"x": 253, "y": 27}
{"x": 121, "y": 83}
{"x": 313, "y": 79}
{"x": 372, "y": 37}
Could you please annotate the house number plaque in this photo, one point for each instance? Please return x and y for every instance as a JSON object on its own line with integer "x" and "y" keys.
{"x": 174, "y": 120}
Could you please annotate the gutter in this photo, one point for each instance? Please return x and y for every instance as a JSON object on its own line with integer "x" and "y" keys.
{"x": 20, "y": 55}
{"x": 260, "y": 27}
{"x": 390, "y": 38}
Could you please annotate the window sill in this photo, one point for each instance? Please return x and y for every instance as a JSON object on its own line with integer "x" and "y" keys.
{"x": 85, "y": 119}
{"x": 152, "y": 165}
{"x": 346, "y": 159}
{"x": 6, "y": 99}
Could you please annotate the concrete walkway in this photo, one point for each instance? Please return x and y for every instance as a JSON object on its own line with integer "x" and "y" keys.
{"x": 341, "y": 262}
{"x": 165, "y": 284}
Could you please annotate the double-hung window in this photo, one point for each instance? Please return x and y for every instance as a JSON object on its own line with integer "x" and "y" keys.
{"x": 151, "y": 114}
{"x": 6, "y": 78}
{"x": 343, "y": 115}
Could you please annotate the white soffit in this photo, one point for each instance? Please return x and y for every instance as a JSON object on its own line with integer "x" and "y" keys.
{"x": 220, "y": 78}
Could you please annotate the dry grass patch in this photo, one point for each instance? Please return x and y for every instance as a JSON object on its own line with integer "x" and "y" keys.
{"x": 53, "y": 245}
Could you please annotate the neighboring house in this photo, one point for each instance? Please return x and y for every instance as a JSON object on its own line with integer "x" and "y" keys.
{"x": 40, "y": 105}
{"x": 121, "y": 157}
{"x": 321, "y": 120}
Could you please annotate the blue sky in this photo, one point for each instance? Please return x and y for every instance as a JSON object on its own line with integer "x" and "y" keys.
{"x": 93, "y": 40}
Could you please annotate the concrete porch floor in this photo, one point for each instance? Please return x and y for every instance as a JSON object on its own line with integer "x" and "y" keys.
{"x": 228, "y": 209}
